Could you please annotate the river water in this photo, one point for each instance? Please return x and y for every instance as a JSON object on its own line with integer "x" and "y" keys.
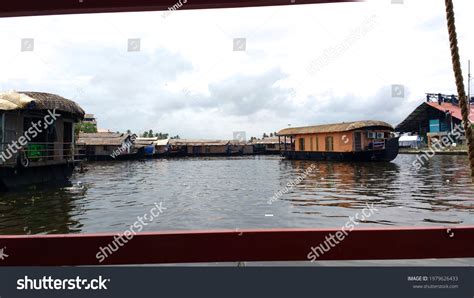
{"x": 215, "y": 193}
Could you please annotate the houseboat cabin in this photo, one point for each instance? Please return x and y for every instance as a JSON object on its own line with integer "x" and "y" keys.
{"x": 36, "y": 138}
{"x": 108, "y": 146}
{"x": 269, "y": 145}
{"x": 351, "y": 141}
{"x": 147, "y": 145}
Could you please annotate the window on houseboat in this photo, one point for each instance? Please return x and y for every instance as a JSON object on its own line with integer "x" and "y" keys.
{"x": 329, "y": 144}
{"x": 317, "y": 144}
{"x": 371, "y": 135}
{"x": 301, "y": 144}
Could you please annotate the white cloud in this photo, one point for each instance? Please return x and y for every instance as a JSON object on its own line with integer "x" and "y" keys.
{"x": 260, "y": 90}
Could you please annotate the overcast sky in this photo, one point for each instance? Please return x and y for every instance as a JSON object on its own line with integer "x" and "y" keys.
{"x": 302, "y": 64}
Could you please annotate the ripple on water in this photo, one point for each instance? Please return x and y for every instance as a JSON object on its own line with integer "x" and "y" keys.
{"x": 214, "y": 193}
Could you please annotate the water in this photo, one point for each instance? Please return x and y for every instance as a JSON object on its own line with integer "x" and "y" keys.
{"x": 214, "y": 193}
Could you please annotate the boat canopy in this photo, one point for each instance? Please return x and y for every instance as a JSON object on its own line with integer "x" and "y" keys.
{"x": 337, "y": 127}
{"x": 19, "y": 100}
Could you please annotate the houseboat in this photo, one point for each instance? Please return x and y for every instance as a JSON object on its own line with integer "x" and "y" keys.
{"x": 36, "y": 138}
{"x": 347, "y": 141}
{"x": 269, "y": 145}
{"x": 108, "y": 146}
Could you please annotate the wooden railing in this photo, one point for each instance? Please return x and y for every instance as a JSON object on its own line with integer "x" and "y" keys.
{"x": 239, "y": 245}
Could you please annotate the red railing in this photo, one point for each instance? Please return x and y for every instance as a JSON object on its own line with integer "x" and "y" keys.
{"x": 239, "y": 245}
{"x": 48, "y": 7}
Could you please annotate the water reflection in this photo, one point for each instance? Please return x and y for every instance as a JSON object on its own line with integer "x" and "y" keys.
{"x": 233, "y": 192}
{"x": 41, "y": 210}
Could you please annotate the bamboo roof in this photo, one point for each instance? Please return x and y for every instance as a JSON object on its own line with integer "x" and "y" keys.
{"x": 102, "y": 139}
{"x": 269, "y": 141}
{"x": 337, "y": 127}
{"x": 185, "y": 142}
{"x": 26, "y": 100}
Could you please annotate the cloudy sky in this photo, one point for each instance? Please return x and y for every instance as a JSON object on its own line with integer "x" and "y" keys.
{"x": 302, "y": 64}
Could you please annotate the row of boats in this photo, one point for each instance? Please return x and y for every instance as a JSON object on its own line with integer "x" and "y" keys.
{"x": 35, "y": 150}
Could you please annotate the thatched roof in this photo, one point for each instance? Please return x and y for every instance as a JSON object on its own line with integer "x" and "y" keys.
{"x": 151, "y": 141}
{"x": 269, "y": 141}
{"x": 102, "y": 139}
{"x": 23, "y": 100}
{"x": 145, "y": 141}
{"x": 184, "y": 142}
{"x": 162, "y": 142}
{"x": 338, "y": 127}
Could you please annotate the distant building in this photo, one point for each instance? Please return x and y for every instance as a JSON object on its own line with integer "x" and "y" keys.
{"x": 434, "y": 118}
{"x": 89, "y": 118}
{"x": 103, "y": 130}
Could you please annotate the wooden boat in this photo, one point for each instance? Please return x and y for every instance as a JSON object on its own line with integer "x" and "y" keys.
{"x": 347, "y": 141}
{"x": 36, "y": 138}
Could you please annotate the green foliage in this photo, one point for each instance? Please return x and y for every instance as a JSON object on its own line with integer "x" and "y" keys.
{"x": 84, "y": 127}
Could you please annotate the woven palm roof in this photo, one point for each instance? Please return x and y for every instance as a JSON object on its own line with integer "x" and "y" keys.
{"x": 185, "y": 142}
{"x": 102, "y": 139}
{"x": 337, "y": 127}
{"x": 26, "y": 100}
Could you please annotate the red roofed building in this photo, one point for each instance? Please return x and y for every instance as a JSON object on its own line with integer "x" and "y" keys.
{"x": 434, "y": 116}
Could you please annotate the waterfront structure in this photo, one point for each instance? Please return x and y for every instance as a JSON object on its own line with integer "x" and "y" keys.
{"x": 237, "y": 147}
{"x": 162, "y": 146}
{"x": 147, "y": 145}
{"x": 435, "y": 118}
{"x": 410, "y": 142}
{"x": 188, "y": 147}
{"x": 36, "y": 138}
{"x": 352, "y": 141}
{"x": 102, "y": 146}
{"x": 269, "y": 145}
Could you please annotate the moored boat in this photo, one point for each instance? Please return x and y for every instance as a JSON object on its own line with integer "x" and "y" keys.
{"x": 348, "y": 141}
{"x": 36, "y": 138}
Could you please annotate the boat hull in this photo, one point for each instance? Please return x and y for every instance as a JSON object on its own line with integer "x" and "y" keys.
{"x": 13, "y": 178}
{"x": 388, "y": 154}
